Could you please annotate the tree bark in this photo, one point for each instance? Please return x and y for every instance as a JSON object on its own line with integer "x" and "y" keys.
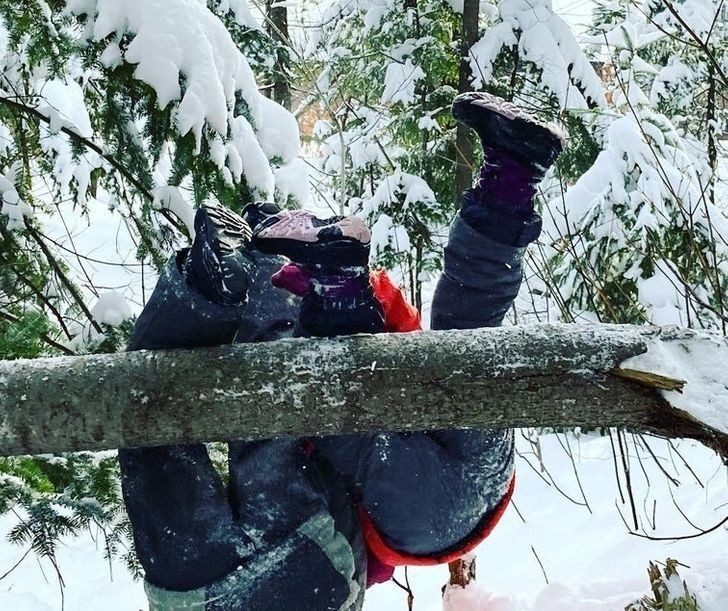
{"x": 277, "y": 27}
{"x": 541, "y": 375}
{"x": 463, "y": 144}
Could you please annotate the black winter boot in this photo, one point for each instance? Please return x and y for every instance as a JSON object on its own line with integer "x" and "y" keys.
{"x": 218, "y": 265}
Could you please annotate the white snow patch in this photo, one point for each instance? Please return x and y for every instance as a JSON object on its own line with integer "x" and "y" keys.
{"x": 292, "y": 183}
{"x": 111, "y": 309}
{"x": 12, "y": 205}
{"x": 278, "y": 131}
{"x": 180, "y": 41}
{"x": 699, "y": 359}
{"x": 170, "y": 198}
{"x": 399, "y": 82}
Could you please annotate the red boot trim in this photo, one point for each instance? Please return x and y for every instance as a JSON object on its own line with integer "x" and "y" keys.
{"x": 399, "y": 314}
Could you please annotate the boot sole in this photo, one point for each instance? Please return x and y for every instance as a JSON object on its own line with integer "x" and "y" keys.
{"x": 501, "y": 124}
{"x": 344, "y": 252}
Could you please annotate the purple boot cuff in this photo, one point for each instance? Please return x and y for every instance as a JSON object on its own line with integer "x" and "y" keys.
{"x": 343, "y": 284}
{"x": 506, "y": 186}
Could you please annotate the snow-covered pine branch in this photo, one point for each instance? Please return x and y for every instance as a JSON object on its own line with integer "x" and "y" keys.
{"x": 140, "y": 108}
{"x": 544, "y": 375}
{"x": 640, "y": 236}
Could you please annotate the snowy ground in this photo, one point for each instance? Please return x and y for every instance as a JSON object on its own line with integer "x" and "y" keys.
{"x": 591, "y": 563}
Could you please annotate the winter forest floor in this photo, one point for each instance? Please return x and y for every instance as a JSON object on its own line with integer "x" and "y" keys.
{"x": 591, "y": 562}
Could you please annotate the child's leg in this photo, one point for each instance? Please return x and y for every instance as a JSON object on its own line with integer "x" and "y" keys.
{"x": 392, "y": 473}
{"x": 284, "y": 533}
{"x": 429, "y": 492}
{"x": 184, "y": 531}
{"x": 309, "y": 552}
{"x": 467, "y": 473}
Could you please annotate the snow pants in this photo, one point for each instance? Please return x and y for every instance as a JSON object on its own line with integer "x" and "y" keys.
{"x": 283, "y": 532}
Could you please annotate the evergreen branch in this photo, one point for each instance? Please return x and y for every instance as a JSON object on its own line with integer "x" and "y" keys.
{"x": 62, "y": 275}
{"x": 45, "y": 337}
{"x": 703, "y": 44}
{"x": 91, "y": 145}
{"x": 35, "y": 290}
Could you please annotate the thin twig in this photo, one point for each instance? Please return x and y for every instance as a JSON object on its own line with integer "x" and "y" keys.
{"x": 543, "y": 570}
{"x": 627, "y": 478}
{"x": 62, "y": 275}
{"x": 17, "y": 564}
{"x": 680, "y": 538}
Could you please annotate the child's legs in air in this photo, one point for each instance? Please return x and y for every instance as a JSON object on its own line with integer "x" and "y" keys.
{"x": 429, "y": 492}
{"x": 283, "y": 533}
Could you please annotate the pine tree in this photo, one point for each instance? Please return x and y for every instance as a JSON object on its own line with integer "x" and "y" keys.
{"x": 638, "y": 237}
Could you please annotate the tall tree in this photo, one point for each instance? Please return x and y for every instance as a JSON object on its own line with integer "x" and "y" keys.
{"x": 463, "y": 143}
{"x": 277, "y": 28}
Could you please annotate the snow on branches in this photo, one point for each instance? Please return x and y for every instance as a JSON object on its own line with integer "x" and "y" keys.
{"x": 542, "y": 38}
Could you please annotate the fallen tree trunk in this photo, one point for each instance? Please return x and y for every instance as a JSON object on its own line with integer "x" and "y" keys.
{"x": 542, "y": 376}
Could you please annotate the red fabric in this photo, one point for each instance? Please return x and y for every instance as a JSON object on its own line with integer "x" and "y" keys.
{"x": 377, "y": 571}
{"x": 399, "y": 315}
{"x": 388, "y": 556}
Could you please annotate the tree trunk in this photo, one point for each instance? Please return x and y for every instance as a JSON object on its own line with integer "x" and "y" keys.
{"x": 541, "y": 375}
{"x": 463, "y": 144}
{"x": 277, "y": 27}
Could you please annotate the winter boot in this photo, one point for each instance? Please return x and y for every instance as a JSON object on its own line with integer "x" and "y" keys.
{"x": 306, "y": 239}
{"x": 217, "y": 265}
{"x": 257, "y": 212}
{"x": 329, "y": 270}
{"x": 517, "y": 151}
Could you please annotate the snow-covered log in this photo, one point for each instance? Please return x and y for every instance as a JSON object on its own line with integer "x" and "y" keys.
{"x": 543, "y": 376}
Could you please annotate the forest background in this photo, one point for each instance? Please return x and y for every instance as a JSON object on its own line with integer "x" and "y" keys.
{"x": 118, "y": 118}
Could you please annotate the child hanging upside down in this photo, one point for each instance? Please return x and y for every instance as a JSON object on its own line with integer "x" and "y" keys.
{"x": 309, "y": 524}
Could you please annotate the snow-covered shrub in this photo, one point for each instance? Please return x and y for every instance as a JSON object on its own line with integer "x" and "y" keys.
{"x": 669, "y": 592}
{"x": 638, "y": 237}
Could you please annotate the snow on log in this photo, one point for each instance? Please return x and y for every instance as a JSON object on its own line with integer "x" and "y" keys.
{"x": 541, "y": 375}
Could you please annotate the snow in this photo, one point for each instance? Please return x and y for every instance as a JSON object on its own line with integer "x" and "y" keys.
{"x": 109, "y": 253}
{"x": 399, "y": 185}
{"x": 699, "y": 359}
{"x": 12, "y": 205}
{"x": 173, "y": 40}
{"x": 62, "y": 102}
{"x": 111, "y": 308}
{"x": 591, "y": 562}
{"x": 292, "y": 183}
{"x": 245, "y": 157}
{"x": 399, "y": 82}
{"x": 6, "y": 140}
{"x": 543, "y": 38}
{"x": 242, "y": 12}
{"x": 662, "y": 296}
{"x": 278, "y": 132}
{"x": 171, "y": 198}
{"x": 183, "y": 51}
